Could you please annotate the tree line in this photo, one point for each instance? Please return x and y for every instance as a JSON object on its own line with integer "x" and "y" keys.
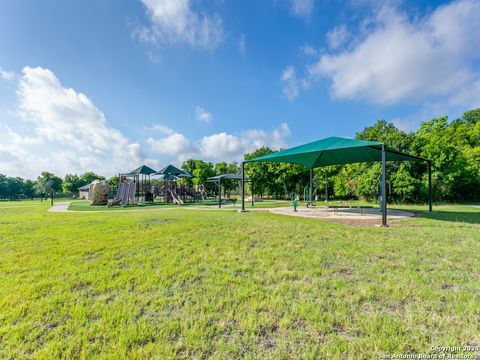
{"x": 453, "y": 148}
{"x": 14, "y": 188}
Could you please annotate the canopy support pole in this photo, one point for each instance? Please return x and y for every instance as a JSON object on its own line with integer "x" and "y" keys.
{"x": 430, "y": 186}
{"x": 311, "y": 186}
{"x": 219, "y": 193}
{"x": 384, "y": 186}
{"x": 253, "y": 194}
{"x": 243, "y": 186}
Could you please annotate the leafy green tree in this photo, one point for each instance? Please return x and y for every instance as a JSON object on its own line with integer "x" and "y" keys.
{"x": 259, "y": 173}
{"x": 200, "y": 170}
{"x": 89, "y": 177}
{"x": 71, "y": 183}
{"x": 29, "y": 189}
{"x": 471, "y": 117}
{"x": 113, "y": 181}
{"x": 48, "y": 182}
{"x": 324, "y": 180}
{"x": 404, "y": 184}
{"x": 222, "y": 168}
{"x": 15, "y": 187}
{"x": 3, "y": 186}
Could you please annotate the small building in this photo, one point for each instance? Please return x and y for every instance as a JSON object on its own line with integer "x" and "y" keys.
{"x": 83, "y": 192}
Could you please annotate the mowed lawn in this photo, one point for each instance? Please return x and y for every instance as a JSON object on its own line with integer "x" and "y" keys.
{"x": 222, "y": 284}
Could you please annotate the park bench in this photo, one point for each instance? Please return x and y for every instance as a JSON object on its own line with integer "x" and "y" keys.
{"x": 337, "y": 207}
{"x": 229, "y": 200}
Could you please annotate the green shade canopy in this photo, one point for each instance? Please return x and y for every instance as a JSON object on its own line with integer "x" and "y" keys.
{"x": 143, "y": 170}
{"x": 334, "y": 151}
{"x": 170, "y": 170}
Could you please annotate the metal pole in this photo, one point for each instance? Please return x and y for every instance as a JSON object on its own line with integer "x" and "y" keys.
{"x": 243, "y": 186}
{"x": 326, "y": 187}
{"x": 429, "y": 186}
{"x": 311, "y": 186}
{"x": 253, "y": 195}
{"x": 219, "y": 193}
{"x": 384, "y": 186}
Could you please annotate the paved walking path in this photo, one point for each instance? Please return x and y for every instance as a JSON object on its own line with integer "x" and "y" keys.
{"x": 59, "y": 207}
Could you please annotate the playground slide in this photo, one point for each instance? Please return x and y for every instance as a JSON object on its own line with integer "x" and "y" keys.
{"x": 118, "y": 196}
{"x": 131, "y": 194}
{"x": 125, "y": 192}
{"x": 175, "y": 198}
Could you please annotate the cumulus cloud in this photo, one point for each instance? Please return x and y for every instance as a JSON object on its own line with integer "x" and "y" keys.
{"x": 337, "y": 36}
{"x": 202, "y": 115}
{"x": 172, "y": 144}
{"x": 175, "y": 21}
{"x": 400, "y": 59}
{"x": 302, "y": 8}
{"x": 69, "y": 133}
{"x": 219, "y": 146}
{"x": 224, "y": 146}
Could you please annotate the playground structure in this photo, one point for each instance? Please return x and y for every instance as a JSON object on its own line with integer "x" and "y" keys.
{"x": 125, "y": 194}
{"x": 171, "y": 193}
{"x": 98, "y": 192}
{"x": 136, "y": 187}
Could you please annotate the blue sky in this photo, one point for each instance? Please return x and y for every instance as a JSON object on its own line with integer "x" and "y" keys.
{"x": 108, "y": 85}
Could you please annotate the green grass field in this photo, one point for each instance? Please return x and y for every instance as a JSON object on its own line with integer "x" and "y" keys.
{"x": 223, "y": 284}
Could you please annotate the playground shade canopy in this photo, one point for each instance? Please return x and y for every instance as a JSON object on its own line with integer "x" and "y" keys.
{"x": 170, "y": 170}
{"x": 143, "y": 170}
{"x": 334, "y": 151}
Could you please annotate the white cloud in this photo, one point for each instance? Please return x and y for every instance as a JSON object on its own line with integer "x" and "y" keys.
{"x": 202, "y": 115}
{"x": 227, "y": 144}
{"x": 337, "y": 36}
{"x": 221, "y": 146}
{"x": 69, "y": 133}
{"x": 6, "y": 75}
{"x": 175, "y": 144}
{"x": 174, "y": 21}
{"x": 229, "y": 147}
{"x": 242, "y": 45}
{"x": 302, "y": 8}
{"x": 163, "y": 129}
{"x": 292, "y": 84}
{"x": 400, "y": 59}
{"x": 309, "y": 50}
